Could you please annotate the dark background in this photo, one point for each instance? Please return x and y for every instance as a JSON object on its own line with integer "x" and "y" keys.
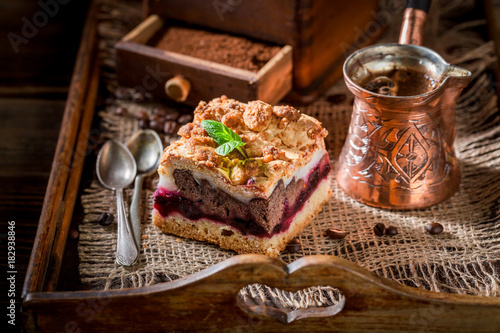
{"x": 33, "y": 86}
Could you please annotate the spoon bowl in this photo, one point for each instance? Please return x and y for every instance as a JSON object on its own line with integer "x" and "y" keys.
{"x": 116, "y": 169}
{"x": 147, "y": 148}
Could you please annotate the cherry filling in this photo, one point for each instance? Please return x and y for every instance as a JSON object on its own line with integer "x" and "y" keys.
{"x": 168, "y": 202}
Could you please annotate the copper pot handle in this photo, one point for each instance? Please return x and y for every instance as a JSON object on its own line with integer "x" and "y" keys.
{"x": 414, "y": 18}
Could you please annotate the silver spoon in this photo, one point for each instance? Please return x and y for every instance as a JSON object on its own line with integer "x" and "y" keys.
{"x": 146, "y": 147}
{"x": 116, "y": 169}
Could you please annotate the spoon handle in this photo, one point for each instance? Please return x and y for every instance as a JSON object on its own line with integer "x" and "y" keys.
{"x": 126, "y": 251}
{"x": 135, "y": 210}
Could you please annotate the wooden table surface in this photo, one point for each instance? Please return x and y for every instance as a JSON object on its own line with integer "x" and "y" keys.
{"x": 33, "y": 87}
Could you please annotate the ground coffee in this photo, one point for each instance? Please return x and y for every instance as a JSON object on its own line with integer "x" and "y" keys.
{"x": 222, "y": 48}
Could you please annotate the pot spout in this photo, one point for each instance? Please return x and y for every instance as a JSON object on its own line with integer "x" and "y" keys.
{"x": 457, "y": 76}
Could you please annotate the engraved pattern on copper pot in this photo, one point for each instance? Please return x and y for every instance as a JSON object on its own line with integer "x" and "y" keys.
{"x": 399, "y": 152}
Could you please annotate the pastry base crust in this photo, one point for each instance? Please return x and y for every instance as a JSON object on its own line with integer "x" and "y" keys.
{"x": 210, "y": 231}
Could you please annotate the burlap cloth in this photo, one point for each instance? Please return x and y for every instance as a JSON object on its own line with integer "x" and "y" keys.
{"x": 465, "y": 258}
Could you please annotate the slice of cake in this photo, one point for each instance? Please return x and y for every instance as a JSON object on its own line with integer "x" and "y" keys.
{"x": 257, "y": 197}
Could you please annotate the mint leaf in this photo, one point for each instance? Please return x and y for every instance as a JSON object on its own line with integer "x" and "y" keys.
{"x": 224, "y": 137}
{"x": 219, "y": 132}
{"x": 228, "y": 147}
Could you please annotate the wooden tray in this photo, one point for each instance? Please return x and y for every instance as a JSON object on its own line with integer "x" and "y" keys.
{"x": 207, "y": 79}
{"x": 208, "y": 301}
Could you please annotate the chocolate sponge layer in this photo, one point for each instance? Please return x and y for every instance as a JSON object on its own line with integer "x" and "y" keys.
{"x": 267, "y": 213}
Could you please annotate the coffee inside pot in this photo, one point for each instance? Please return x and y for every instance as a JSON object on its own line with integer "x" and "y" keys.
{"x": 405, "y": 81}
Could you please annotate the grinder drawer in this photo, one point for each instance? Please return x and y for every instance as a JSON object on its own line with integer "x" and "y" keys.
{"x": 189, "y": 79}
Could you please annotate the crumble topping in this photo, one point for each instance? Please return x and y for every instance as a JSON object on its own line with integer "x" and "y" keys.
{"x": 278, "y": 141}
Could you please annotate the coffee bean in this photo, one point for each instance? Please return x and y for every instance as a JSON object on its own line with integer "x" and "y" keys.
{"x": 105, "y": 219}
{"x": 391, "y": 230}
{"x": 379, "y": 229}
{"x": 184, "y": 119}
{"x": 156, "y": 117}
{"x": 335, "y": 233}
{"x": 337, "y": 98}
{"x": 102, "y": 218}
{"x": 137, "y": 97}
{"x": 156, "y": 125}
{"x": 143, "y": 123}
{"x": 434, "y": 228}
{"x": 162, "y": 277}
{"x": 171, "y": 127}
{"x": 172, "y": 115}
{"x": 121, "y": 111}
{"x": 226, "y": 232}
{"x": 73, "y": 234}
{"x": 294, "y": 245}
{"x": 121, "y": 93}
{"x": 141, "y": 115}
{"x": 160, "y": 111}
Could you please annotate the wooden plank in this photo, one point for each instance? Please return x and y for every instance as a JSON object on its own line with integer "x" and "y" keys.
{"x": 74, "y": 178}
{"x": 196, "y": 63}
{"x": 325, "y": 33}
{"x": 272, "y": 21}
{"x": 207, "y": 301}
{"x": 274, "y": 80}
{"x": 38, "y": 37}
{"x": 28, "y": 137}
{"x": 54, "y": 197}
{"x": 49, "y": 92}
{"x": 19, "y": 128}
{"x": 147, "y": 68}
{"x": 144, "y": 31}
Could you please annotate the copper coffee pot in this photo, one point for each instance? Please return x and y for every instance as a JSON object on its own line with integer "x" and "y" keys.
{"x": 398, "y": 153}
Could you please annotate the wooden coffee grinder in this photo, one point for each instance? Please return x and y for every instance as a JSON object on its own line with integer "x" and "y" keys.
{"x": 315, "y": 37}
